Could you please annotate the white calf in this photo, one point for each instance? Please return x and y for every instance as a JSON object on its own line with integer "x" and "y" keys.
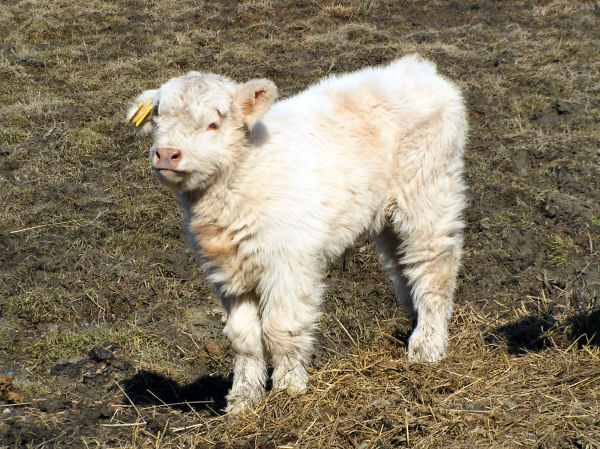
{"x": 271, "y": 191}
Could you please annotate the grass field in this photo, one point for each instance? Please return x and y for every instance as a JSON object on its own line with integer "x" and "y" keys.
{"x": 91, "y": 252}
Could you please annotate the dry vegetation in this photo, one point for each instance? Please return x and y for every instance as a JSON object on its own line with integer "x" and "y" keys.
{"x": 91, "y": 253}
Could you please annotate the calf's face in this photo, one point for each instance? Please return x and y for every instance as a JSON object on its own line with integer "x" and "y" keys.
{"x": 199, "y": 122}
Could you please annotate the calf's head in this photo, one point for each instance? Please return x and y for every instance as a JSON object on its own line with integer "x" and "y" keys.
{"x": 200, "y": 123}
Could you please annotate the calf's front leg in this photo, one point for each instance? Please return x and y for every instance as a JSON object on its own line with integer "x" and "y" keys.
{"x": 290, "y": 310}
{"x": 249, "y": 366}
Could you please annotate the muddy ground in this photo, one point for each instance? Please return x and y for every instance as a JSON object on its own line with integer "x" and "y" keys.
{"x": 109, "y": 335}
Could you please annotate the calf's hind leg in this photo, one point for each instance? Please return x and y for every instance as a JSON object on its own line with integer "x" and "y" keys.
{"x": 389, "y": 248}
{"x": 432, "y": 245}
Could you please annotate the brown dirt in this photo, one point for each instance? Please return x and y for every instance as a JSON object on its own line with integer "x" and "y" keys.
{"x": 109, "y": 336}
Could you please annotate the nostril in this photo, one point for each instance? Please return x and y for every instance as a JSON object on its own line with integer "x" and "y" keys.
{"x": 176, "y": 155}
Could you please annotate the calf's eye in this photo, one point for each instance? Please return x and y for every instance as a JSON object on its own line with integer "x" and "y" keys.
{"x": 213, "y": 126}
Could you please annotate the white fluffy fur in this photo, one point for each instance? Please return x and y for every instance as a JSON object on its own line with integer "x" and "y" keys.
{"x": 280, "y": 188}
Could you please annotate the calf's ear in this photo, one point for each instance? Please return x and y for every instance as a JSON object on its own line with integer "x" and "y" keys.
{"x": 254, "y": 99}
{"x": 141, "y": 110}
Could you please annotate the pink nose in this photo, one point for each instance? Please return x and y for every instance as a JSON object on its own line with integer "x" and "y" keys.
{"x": 167, "y": 158}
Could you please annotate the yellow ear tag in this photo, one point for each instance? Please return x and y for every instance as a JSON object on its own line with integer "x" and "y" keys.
{"x": 142, "y": 111}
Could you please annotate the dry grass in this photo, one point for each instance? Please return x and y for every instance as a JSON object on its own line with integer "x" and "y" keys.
{"x": 91, "y": 252}
{"x": 371, "y": 398}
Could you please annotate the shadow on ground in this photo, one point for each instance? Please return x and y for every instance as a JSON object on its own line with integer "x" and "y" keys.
{"x": 585, "y": 328}
{"x": 205, "y": 393}
{"x": 535, "y": 333}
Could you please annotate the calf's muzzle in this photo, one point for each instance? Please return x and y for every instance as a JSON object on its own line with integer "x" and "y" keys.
{"x": 167, "y": 158}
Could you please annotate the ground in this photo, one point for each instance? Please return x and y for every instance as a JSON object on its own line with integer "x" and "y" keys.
{"x": 109, "y": 335}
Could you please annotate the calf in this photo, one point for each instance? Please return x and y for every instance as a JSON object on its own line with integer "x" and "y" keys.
{"x": 270, "y": 191}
